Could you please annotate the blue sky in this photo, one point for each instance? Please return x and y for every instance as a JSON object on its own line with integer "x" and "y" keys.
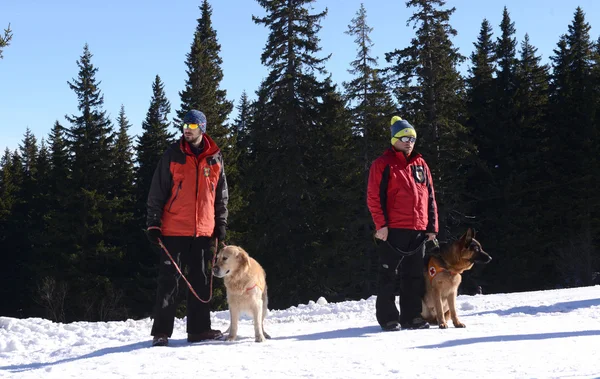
{"x": 133, "y": 40}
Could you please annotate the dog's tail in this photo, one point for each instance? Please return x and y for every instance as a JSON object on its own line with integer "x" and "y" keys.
{"x": 265, "y": 309}
{"x": 265, "y": 299}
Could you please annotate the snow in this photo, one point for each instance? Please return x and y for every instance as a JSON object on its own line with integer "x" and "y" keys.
{"x": 543, "y": 334}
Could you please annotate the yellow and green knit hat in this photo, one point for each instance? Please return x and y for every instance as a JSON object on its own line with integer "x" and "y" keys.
{"x": 401, "y": 128}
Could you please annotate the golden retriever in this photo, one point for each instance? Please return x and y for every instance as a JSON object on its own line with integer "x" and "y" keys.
{"x": 443, "y": 276}
{"x": 245, "y": 282}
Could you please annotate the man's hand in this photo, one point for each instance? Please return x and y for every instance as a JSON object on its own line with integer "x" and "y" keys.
{"x": 382, "y": 234}
{"x": 154, "y": 234}
{"x": 431, "y": 236}
{"x": 220, "y": 232}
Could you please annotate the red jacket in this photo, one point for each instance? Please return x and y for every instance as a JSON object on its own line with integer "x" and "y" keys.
{"x": 188, "y": 195}
{"x": 400, "y": 192}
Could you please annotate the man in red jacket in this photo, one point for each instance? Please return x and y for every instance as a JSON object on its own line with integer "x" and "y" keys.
{"x": 401, "y": 200}
{"x": 187, "y": 206}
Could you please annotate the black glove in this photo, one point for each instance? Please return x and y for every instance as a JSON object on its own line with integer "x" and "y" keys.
{"x": 154, "y": 234}
{"x": 220, "y": 232}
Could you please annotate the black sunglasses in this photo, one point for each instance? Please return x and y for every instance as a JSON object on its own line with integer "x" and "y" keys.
{"x": 408, "y": 139}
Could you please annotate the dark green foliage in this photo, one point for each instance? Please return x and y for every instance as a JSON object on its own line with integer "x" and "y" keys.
{"x": 237, "y": 168}
{"x": 513, "y": 147}
{"x": 153, "y": 142}
{"x": 5, "y": 39}
{"x": 202, "y": 88}
{"x": 370, "y": 110}
{"x": 430, "y": 93}
{"x": 150, "y": 147}
{"x": 95, "y": 260}
{"x": 571, "y": 159}
{"x": 298, "y": 133}
{"x": 202, "y": 92}
{"x": 12, "y": 268}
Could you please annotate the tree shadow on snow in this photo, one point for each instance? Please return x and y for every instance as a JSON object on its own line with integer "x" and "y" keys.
{"x": 563, "y": 307}
{"x": 516, "y": 337}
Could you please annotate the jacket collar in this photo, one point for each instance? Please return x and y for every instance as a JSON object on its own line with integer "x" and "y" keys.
{"x": 391, "y": 152}
{"x": 210, "y": 147}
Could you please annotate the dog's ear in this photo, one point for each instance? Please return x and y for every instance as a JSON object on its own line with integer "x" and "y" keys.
{"x": 242, "y": 256}
{"x": 467, "y": 238}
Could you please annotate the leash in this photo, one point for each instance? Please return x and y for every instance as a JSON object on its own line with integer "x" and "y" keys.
{"x": 404, "y": 254}
{"x": 162, "y": 245}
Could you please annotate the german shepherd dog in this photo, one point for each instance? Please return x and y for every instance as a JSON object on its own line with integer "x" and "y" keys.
{"x": 442, "y": 275}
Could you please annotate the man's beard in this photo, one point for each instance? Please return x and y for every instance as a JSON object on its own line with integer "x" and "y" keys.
{"x": 194, "y": 140}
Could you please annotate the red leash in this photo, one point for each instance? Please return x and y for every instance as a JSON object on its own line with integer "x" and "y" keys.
{"x": 183, "y": 276}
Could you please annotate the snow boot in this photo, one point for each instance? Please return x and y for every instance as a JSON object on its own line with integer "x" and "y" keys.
{"x": 160, "y": 340}
{"x": 391, "y": 326}
{"x": 416, "y": 323}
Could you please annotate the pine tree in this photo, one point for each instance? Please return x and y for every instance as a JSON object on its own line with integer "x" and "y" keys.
{"x": 480, "y": 94}
{"x": 243, "y": 120}
{"x": 52, "y": 277}
{"x": 238, "y": 169}
{"x": 26, "y": 221}
{"x": 122, "y": 172}
{"x": 121, "y": 226}
{"x": 151, "y": 146}
{"x": 573, "y": 104}
{"x": 370, "y": 104}
{"x": 10, "y": 236}
{"x": 371, "y": 108}
{"x": 91, "y": 142}
{"x": 505, "y": 131}
{"x": 38, "y": 231}
{"x": 90, "y": 136}
{"x": 531, "y": 100}
{"x": 506, "y": 48}
{"x": 7, "y": 188}
{"x": 58, "y": 220}
{"x": 202, "y": 89}
{"x": 5, "y": 39}
{"x": 153, "y": 142}
{"x": 295, "y": 126}
{"x": 430, "y": 93}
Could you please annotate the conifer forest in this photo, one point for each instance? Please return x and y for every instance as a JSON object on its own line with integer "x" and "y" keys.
{"x": 513, "y": 146}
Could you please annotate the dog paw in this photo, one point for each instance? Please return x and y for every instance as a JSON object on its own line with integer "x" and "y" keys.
{"x": 459, "y": 325}
{"x": 259, "y": 339}
{"x": 230, "y": 338}
{"x": 267, "y": 336}
{"x": 443, "y": 325}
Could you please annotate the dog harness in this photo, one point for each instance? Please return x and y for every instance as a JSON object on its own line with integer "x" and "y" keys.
{"x": 433, "y": 268}
{"x": 251, "y": 288}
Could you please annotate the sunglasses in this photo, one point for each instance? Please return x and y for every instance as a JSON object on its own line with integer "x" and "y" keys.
{"x": 408, "y": 139}
{"x": 191, "y": 126}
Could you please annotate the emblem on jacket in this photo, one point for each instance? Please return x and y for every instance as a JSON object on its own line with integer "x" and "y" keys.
{"x": 207, "y": 171}
{"x": 419, "y": 174}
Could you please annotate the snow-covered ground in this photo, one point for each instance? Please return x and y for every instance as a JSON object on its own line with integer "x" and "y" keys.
{"x": 544, "y": 334}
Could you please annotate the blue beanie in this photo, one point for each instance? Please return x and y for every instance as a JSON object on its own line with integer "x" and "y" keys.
{"x": 196, "y": 117}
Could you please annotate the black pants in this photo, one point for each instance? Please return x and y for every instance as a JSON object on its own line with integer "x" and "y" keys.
{"x": 192, "y": 256}
{"x": 412, "y": 285}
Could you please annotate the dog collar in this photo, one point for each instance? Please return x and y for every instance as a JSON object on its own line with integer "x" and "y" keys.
{"x": 433, "y": 268}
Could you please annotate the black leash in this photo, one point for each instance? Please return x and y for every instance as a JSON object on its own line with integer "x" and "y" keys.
{"x": 412, "y": 252}
{"x": 404, "y": 254}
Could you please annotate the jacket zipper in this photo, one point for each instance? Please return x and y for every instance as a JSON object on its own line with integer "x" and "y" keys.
{"x": 196, "y": 199}
{"x": 176, "y": 194}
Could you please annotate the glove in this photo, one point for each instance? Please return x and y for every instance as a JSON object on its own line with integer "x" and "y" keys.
{"x": 154, "y": 234}
{"x": 220, "y": 232}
